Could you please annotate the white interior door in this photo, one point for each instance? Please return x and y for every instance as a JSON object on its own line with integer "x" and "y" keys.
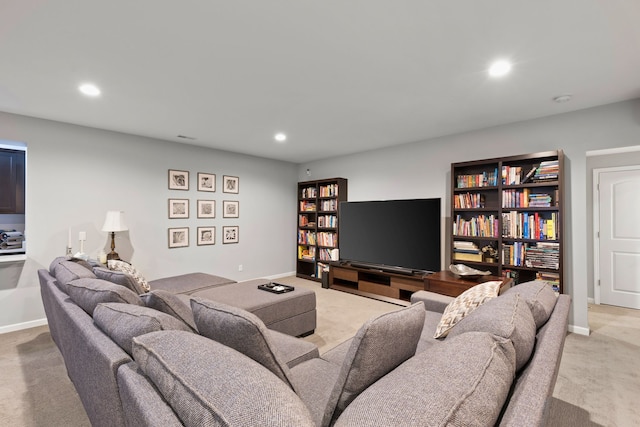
{"x": 619, "y": 236}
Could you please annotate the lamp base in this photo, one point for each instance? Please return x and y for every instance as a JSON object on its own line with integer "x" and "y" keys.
{"x": 113, "y": 255}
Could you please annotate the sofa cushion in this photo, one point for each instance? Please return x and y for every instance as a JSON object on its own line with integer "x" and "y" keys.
{"x": 207, "y": 383}
{"x": 135, "y": 276}
{"x": 379, "y": 346}
{"x": 88, "y": 293}
{"x": 177, "y": 306}
{"x": 123, "y": 322}
{"x": 540, "y": 297}
{"x": 464, "y": 381}
{"x": 119, "y": 278}
{"x": 464, "y": 304}
{"x": 240, "y": 330}
{"x": 65, "y": 271}
{"x": 507, "y": 316}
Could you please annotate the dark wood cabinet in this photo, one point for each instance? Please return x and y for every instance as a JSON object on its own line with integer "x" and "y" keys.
{"x": 318, "y": 216}
{"x": 12, "y": 181}
{"x": 507, "y": 216}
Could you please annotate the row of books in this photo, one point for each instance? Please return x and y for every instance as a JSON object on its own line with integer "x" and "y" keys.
{"x": 309, "y": 193}
{"x": 553, "y": 279}
{"x": 306, "y": 237}
{"x": 523, "y": 225}
{"x": 513, "y": 175}
{"x": 479, "y": 226}
{"x": 327, "y": 239}
{"x": 329, "y": 205}
{"x": 525, "y": 199}
{"x": 468, "y": 201}
{"x": 327, "y": 221}
{"x": 330, "y": 190}
{"x": 327, "y": 254}
{"x": 484, "y": 179}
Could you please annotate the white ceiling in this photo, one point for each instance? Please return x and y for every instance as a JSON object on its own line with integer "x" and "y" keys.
{"x": 336, "y": 76}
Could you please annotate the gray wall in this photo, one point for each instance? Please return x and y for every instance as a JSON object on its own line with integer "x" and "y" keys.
{"x": 422, "y": 169}
{"x": 75, "y": 174}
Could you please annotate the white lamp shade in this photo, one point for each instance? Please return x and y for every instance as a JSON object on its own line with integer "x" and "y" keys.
{"x": 114, "y": 222}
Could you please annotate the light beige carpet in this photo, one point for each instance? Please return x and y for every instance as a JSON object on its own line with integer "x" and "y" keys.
{"x": 598, "y": 383}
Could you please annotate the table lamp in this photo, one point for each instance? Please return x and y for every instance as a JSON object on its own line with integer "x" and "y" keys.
{"x": 114, "y": 222}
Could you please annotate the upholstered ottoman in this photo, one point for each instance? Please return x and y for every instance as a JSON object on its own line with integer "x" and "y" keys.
{"x": 189, "y": 283}
{"x": 292, "y": 313}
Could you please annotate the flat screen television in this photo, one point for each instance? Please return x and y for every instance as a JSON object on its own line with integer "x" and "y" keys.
{"x": 394, "y": 235}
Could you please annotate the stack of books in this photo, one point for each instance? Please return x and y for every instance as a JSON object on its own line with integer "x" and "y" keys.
{"x": 466, "y": 251}
{"x": 543, "y": 255}
{"x": 547, "y": 171}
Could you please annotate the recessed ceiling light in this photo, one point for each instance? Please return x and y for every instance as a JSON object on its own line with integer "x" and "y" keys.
{"x": 89, "y": 89}
{"x": 499, "y": 68}
{"x": 280, "y": 137}
{"x": 562, "y": 98}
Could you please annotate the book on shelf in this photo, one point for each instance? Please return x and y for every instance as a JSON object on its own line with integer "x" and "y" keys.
{"x": 309, "y": 193}
{"x": 553, "y": 279}
{"x": 463, "y": 256}
{"x": 529, "y": 175}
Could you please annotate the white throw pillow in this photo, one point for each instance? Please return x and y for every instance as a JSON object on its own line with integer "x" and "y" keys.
{"x": 129, "y": 269}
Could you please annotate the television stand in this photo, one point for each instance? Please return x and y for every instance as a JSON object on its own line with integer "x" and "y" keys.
{"x": 376, "y": 282}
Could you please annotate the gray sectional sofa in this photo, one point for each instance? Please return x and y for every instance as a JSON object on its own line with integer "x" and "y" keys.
{"x": 169, "y": 358}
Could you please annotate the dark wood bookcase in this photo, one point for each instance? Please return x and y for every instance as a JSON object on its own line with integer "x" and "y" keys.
{"x": 507, "y": 216}
{"x": 317, "y": 227}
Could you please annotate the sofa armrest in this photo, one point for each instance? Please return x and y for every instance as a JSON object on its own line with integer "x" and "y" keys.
{"x": 432, "y": 301}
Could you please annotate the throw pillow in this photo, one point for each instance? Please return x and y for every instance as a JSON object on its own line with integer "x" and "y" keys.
{"x": 240, "y": 330}
{"x": 66, "y": 271}
{"x": 507, "y": 316}
{"x": 465, "y": 381}
{"x": 129, "y": 269}
{"x": 119, "y": 278}
{"x": 379, "y": 346}
{"x": 540, "y": 297}
{"x": 209, "y": 384}
{"x": 88, "y": 293}
{"x": 177, "y": 306}
{"x": 123, "y": 322}
{"x": 464, "y": 304}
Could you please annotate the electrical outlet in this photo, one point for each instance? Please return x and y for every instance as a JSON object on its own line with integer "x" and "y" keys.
{"x": 240, "y": 267}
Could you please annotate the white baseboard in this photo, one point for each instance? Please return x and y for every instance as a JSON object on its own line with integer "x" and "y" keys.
{"x": 21, "y": 326}
{"x": 275, "y": 276}
{"x": 579, "y": 330}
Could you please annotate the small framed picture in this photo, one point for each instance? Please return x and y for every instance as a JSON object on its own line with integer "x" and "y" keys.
{"x": 230, "y": 234}
{"x": 230, "y": 209}
{"x": 206, "y": 208}
{"x": 230, "y": 184}
{"x": 206, "y": 236}
{"x": 178, "y": 208}
{"x": 178, "y": 180}
{"x": 206, "y": 182}
{"x": 179, "y": 237}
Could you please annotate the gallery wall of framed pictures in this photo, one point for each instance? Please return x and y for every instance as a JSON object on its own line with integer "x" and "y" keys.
{"x": 205, "y": 206}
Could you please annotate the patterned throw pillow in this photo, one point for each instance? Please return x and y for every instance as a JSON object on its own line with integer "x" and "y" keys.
{"x": 464, "y": 304}
{"x": 129, "y": 269}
